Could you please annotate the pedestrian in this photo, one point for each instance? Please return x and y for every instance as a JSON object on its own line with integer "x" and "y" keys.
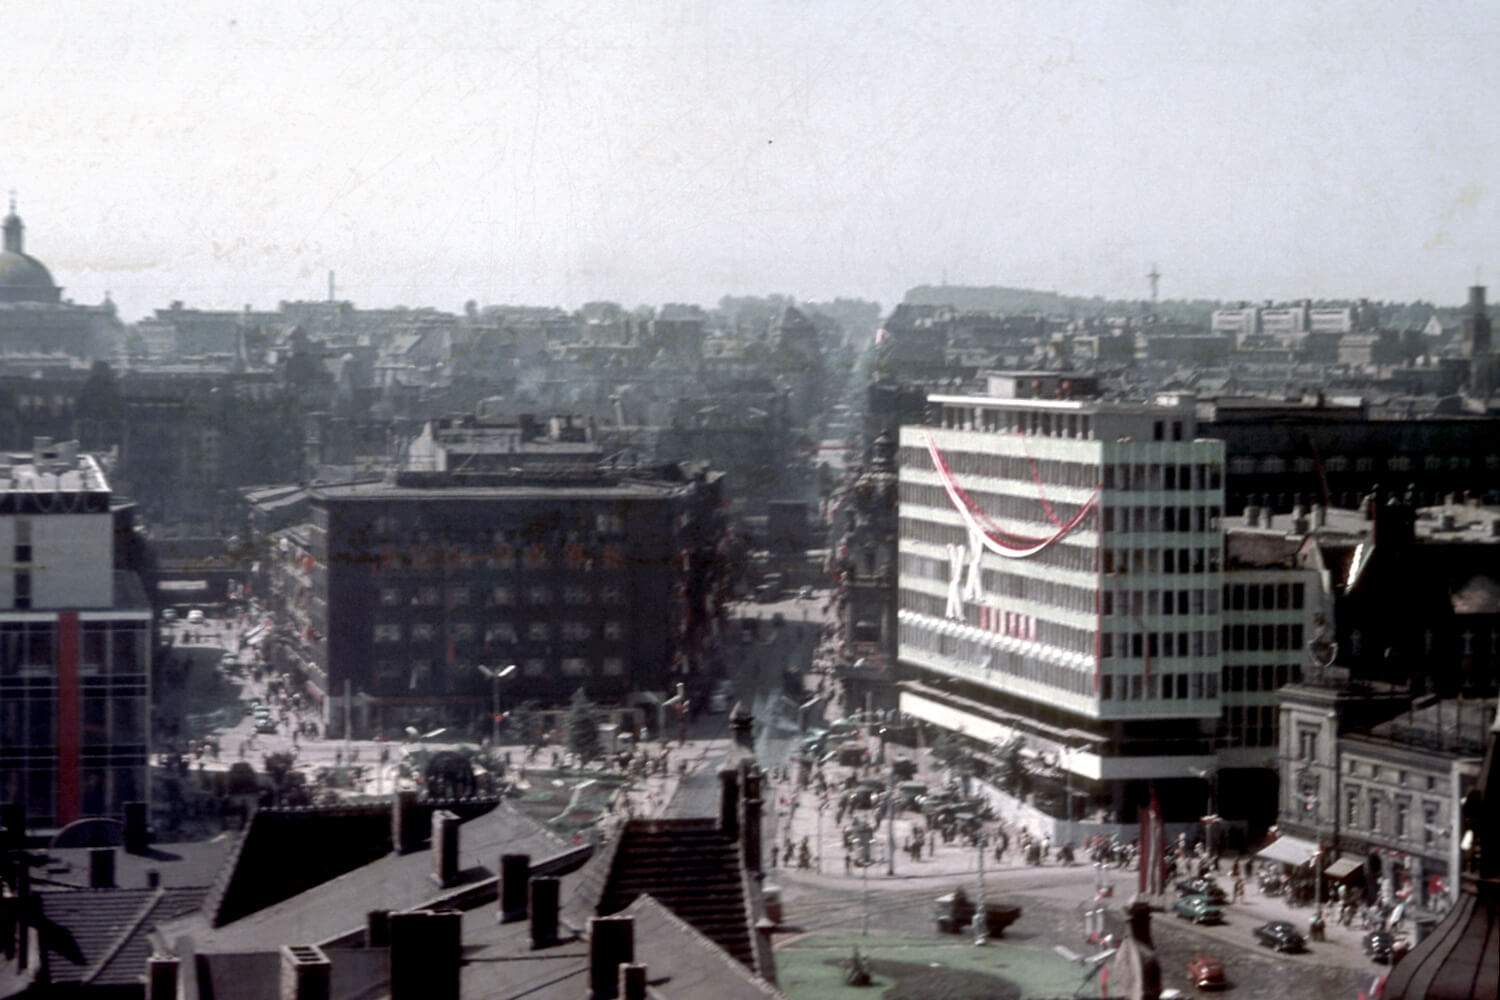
{"x": 1239, "y": 888}
{"x": 848, "y": 863}
{"x": 775, "y": 851}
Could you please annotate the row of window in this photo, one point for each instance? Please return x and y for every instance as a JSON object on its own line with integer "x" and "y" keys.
{"x": 425, "y": 676}
{"x": 573, "y": 556}
{"x": 1159, "y": 560}
{"x": 1158, "y": 687}
{"x": 1037, "y": 423}
{"x": 1139, "y": 477}
{"x": 1015, "y": 468}
{"x": 1264, "y": 596}
{"x": 420, "y": 528}
{"x": 1244, "y": 465}
{"x": 113, "y": 648}
{"x": 1254, "y": 638}
{"x": 499, "y": 595}
{"x": 1138, "y": 603}
{"x": 1154, "y": 645}
{"x": 1028, "y": 627}
{"x": 1124, "y": 520}
{"x": 1061, "y": 555}
{"x": 1375, "y": 812}
{"x": 1016, "y": 508}
{"x": 1249, "y": 725}
{"x": 386, "y": 633}
{"x": 990, "y": 660}
{"x": 1261, "y": 676}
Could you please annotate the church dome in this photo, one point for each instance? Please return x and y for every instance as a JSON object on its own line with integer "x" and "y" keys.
{"x": 23, "y": 278}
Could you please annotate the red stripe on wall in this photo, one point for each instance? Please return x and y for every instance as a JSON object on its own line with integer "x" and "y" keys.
{"x": 69, "y": 711}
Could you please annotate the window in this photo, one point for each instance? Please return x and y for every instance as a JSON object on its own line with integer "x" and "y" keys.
{"x": 1307, "y": 744}
{"x": 575, "y": 631}
{"x": 22, "y": 591}
{"x": 387, "y": 632}
{"x": 538, "y": 632}
{"x": 499, "y": 632}
{"x": 1401, "y": 811}
{"x": 612, "y": 595}
{"x": 574, "y": 666}
{"x": 427, "y": 597}
{"x": 1375, "y": 813}
{"x": 390, "y": 596}
{"x": 503, "y": 597}
{"x": 423, "y": 632}
{"x": 577, "y": 597}
{"x": 613, "y": 666}
{"x": 614, "y": 630}
{"x": 538, "y": 595}
{"x": 458, "y": 597}
{"x": 1351, "y": 807}
{"x": 534, "y": 667}
{"x": 22, "y": 540}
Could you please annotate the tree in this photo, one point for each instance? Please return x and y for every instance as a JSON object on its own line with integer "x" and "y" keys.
{"x": 583, "y": 729}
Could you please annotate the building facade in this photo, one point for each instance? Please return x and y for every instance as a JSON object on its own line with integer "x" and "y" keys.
{"x": 607, "y": 580}
{"x": 75, "y": 662}
{"x": 1060, "y": 581}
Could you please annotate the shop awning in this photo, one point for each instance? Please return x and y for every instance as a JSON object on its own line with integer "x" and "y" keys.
{"x": 1343, "y": 868}
{"x": 1289, "y": 850}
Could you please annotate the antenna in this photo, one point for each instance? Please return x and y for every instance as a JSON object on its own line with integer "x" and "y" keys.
{"x": 1153, "y": 276}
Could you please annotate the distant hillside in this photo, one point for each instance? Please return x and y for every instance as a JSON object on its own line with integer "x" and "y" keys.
{"x": 993, "y": 298}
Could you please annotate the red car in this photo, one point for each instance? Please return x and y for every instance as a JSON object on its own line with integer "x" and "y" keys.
{"x": 1206, "y": 972}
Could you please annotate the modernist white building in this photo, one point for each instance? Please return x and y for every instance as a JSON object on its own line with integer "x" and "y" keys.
{"x": 1061, "y": 573}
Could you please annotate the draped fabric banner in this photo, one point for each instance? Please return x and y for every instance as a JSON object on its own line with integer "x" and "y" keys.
{"x": 983, "y": 529}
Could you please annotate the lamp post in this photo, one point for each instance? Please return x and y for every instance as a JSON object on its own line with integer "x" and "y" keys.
{"x": 890, "y": 823}
{"x": 981, "y": 914}
{"x": 496, "y": 676}
{"x": 1210, "y": 818}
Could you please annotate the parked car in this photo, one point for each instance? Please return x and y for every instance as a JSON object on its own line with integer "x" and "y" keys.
{"x": 954, "y": 913}
{"x": 1203, "y": 887}
{"x": 169, "y": 614}
{"x": 1379, "y": 945}
{"x": 1206, "y": 972}
{"x": 806, "y": 594}
{"x": 266, "y": 725}
{"x": 195, "y": 617}
{"x": 1280, "y": 935}
{"x": 1198, "y": 909}
{"x": 229, "y": 661}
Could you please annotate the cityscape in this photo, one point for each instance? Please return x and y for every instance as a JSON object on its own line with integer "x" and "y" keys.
{"x": 495, "y": 631}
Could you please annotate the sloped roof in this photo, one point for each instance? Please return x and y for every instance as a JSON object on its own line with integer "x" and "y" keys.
{"x": 100, "y": 936}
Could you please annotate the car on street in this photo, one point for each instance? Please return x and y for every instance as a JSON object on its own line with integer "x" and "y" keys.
{"x": 1203, "y": 886}
{"x": 954, "y": 914}
{"x": 229, "y": 661}
{"x": 1198, "y": 909}
{"x": 195, "y": 617}
{"x": 1379, "y": 945}
{"x": 805, "y": 594}
{"x": 1280, "y": 935}
{"x": 266, "y": 725}
{"x": 169, "y": 614}
{"x": 1206, "y": 972}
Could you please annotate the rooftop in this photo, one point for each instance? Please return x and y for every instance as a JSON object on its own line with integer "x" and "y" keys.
{"x": 51, "y": 468}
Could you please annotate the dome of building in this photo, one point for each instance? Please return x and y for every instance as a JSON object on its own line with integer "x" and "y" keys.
{"x": 23, "y": 278}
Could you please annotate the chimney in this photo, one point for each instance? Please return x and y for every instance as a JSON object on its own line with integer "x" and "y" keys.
{"x": 515, "y": 872}
{"x": 1252, "y": 512}
{"x": 1270, "y": 519}
{"x": 611, "y": 945}
{"x": 632, "y": 982}
{"x": 101, "y": 867}
{"x": 444, "y": 848}
{"x": 1447, "y": 521}
{"x": 544, "y": 898}
{"x": 136, "y": 834}
{"x": 729, "y": 802}
{"x": 405, "y": 838}
{"x": 1319, "y": 516}
{"x": 305, "y": 973}
{"x": 750, "y": 831}
{"x": 161, "y": 977}
{"x": 1300, "y": 522}
{"x": 377, "y": 928}
{"x": 153, "y": 878}
{"x": 426, "y": 953}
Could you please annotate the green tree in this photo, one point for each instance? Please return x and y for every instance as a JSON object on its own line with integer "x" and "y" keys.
{"x": 583, "y": 729}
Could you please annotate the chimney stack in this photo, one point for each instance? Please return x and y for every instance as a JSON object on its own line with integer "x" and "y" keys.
{"x": 405, "y": 837}
{"x": 426, "y": 953}
{"x": 750, "y": 831}
{"x": 611, "y": 945}
{"x": 101, "y": 867}
{"x": 377, "y": 928}
{"x": 153, "y": 878}
{"x": 632, "y": 982}
{"x": 161, "y": 977}
{"x": 729, "y": 803}
{"x": 136, "y": 834}
{"x": 444, "y": 848}
{"x": 1319, "y": 516}
{"x": 306, "y": 973}
{"x": 544, "y": 900}
{"x": 515, "y": 873}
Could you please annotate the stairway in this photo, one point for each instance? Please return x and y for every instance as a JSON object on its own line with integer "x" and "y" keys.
{"x": 691, "y": 868}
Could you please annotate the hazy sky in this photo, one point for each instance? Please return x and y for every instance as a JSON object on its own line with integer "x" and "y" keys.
{"x": 552, "y": 153}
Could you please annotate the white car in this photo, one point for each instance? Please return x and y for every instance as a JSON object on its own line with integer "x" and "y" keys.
{"x": 195, "y": 617}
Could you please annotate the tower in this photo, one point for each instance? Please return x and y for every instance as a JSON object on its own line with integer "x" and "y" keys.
{"x": 1476, "y": 324}
{"x": 1153, "y": 276}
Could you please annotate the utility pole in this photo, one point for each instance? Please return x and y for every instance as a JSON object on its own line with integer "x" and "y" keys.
{"x": 981, "y": 913}
{"x": 890, "y": 822}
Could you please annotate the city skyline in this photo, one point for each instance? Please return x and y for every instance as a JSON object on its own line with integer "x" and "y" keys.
{"x": 560, "y": 153}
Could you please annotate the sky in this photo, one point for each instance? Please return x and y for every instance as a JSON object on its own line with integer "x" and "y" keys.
{"x": 553, "y": 153}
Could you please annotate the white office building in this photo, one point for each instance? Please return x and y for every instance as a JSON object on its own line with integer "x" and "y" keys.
{"x": 1061, "y": 569}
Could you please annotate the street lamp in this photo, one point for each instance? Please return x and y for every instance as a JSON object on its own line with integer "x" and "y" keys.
{"x": 496, "y": 676}
{"x": 1210, "y": 818}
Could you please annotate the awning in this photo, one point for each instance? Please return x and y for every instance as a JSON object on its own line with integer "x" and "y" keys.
{"x": 1289, "y": 850}
{"x": 1343, "y": 868}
